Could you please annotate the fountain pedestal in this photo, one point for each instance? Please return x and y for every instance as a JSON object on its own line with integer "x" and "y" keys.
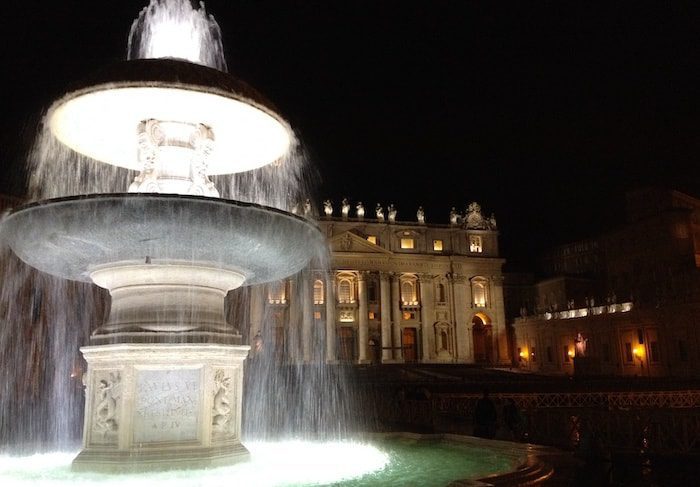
{"x": 162, "y": 406}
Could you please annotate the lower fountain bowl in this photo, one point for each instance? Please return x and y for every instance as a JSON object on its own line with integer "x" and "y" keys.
{"x": 71, "y": 237}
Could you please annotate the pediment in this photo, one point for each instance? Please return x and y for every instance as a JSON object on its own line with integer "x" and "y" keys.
{"x": 351, "y": 242}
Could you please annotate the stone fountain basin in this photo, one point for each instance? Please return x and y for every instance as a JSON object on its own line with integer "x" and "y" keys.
{"x": 71, "y": 237}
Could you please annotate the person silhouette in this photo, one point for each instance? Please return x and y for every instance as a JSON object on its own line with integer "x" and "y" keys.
{"x": 485, "y": 417}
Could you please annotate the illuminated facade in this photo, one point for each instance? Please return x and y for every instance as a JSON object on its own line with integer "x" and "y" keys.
{"x": 623, "y": 303}
{"x": 397, "y": 292}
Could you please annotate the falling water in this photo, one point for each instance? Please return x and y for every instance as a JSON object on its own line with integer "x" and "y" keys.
{"x": 45, "y": 320}
{"x": 174, "y": 28}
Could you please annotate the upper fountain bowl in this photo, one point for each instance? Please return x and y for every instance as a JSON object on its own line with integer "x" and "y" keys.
{"x": 99, "y": 116}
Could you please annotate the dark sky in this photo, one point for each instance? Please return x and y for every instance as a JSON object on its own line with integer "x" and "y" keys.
{"x": 543, "y": 112}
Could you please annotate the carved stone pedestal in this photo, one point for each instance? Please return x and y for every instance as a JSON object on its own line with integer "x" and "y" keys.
{"x": 162, "y": 406}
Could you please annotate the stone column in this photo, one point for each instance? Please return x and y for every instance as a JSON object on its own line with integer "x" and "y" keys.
{"x": 500, "y": 333}
{"x": 363, "y": 324}
{"x": 330, "y": 318}
{"x": 306, "y": 295}
{"x": 461, "y": 295}
{"x": 385, "y": 303}
{"x": 427, "y": 316}
{"x": 292, "y": 331}
{"x": 396, "y": 316}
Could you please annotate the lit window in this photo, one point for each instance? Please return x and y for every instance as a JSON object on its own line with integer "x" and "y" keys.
{"x": 437, "y": 245}
{"x": 318, "y": 291}
{"x": 345, "y": 294}
{"x": 371, "y": 315}
{"x": 407, "y": 243}
{"x": 408, "y": 292}
{"x": 372, "y": 239}
{"x": 480, "y": 292}
{"x": 475, "y": 243}
{"x": 276, "y": 293}
{"x": 317, "y": 315}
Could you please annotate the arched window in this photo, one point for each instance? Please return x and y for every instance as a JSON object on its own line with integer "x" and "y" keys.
{"x": 408, "y": 291}
{"x": 345, "y": 290}
{"x": 318, "y": 291}
{"x": 277, "y": 293}
{"x": 480, "y": 295}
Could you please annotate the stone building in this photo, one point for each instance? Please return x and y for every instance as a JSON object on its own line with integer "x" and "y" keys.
{"x": 397, "y": 291}
{"x": 626, "y": 302}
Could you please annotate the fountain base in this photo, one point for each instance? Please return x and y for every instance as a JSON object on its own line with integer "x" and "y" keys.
{"x": 162, "y": 406}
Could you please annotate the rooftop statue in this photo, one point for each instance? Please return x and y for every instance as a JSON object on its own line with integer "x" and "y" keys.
{"x": 454, "y": 216}
{"x": 420, "y": 215}
{"x": 360, "y": 208}
{"x": 328, "y": 208}
{"x": 379, "y": 212}
{"x": 392, "y": 213}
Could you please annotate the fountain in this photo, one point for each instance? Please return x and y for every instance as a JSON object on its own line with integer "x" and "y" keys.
{"x": 167, "y": 182}
{"x": 164, "y": 377}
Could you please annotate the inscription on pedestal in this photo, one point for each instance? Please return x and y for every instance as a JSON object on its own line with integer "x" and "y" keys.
{"x": 167, "y": 405}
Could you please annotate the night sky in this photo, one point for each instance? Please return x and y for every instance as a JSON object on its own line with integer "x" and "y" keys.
{"x": 543, "y": 112}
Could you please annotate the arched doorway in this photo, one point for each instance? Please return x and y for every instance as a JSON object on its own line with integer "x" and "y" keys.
{"x": 482, "y": 339}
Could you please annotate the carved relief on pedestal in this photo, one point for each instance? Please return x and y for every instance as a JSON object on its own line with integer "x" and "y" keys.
{"x": 105, "y": 424}
{"x": 223, "y": 403}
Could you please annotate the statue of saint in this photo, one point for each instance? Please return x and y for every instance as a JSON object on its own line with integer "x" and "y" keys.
{"x": 379, "y": 212}
{"x": 454, "y": 216}
{"x": 392, "y": 213}
{"x": 360, "y": 208}
{"x": 420, "y": 215}
{"x": 328, "y": 208}
{"x": 492, "y": 222}
{"x": 345, "y": 208}
{"x": 307, "y": 207}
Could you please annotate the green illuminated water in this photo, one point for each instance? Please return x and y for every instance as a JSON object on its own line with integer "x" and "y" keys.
{"x": 428, "y": 463}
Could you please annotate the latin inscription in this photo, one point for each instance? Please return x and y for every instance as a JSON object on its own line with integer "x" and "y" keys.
{"x": 167, "y": 405}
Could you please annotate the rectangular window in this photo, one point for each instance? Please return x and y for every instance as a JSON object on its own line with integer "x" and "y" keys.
{"x": 317, "y": 315}
{"x": 370, "y": 315}
{"x": 372, "y": 239}
{"x": 654, "y": 351}
{"x": 437, "y": 245}
{"x": 475, "y": 243}
{"x": 550, "y": 357}
{"x": 629, "y": 356}
{"x": 407, "y": 243}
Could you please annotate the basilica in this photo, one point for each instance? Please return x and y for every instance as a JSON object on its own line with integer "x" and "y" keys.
{"x": 398, "y": 291}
